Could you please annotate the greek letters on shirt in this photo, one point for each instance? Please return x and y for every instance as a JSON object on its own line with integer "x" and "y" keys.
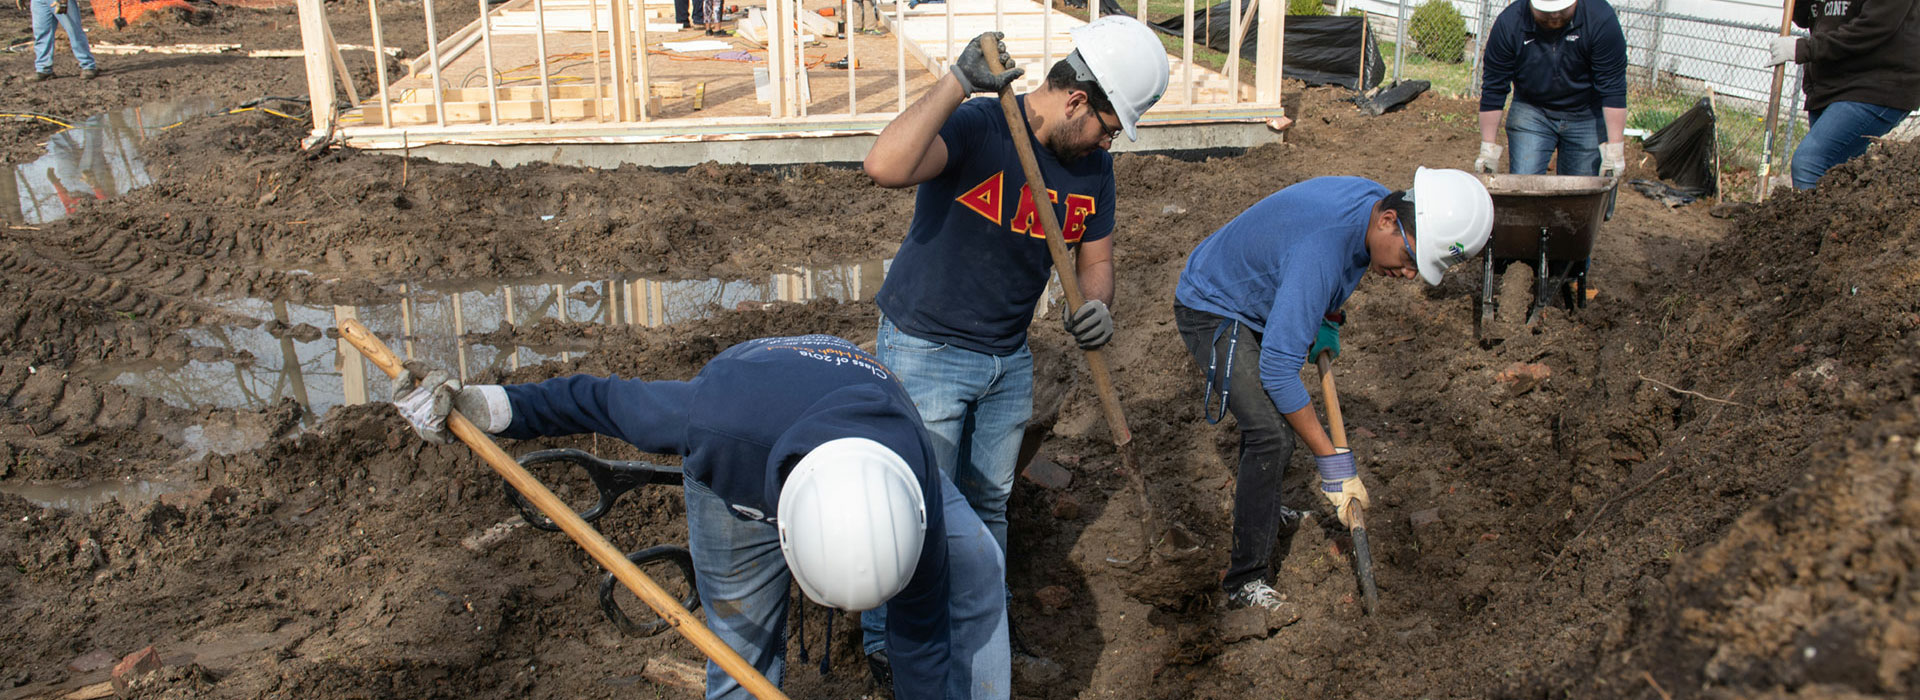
{"x": 988, "y": 199}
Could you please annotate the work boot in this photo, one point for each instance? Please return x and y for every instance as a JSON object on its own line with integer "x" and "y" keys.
{"x": 90, "y": 73}
{"x": 882, "y": 670}
{"x": 42, "y": 75}
{"x": 1252, "y": 593}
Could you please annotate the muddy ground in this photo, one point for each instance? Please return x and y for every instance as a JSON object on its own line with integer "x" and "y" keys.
{"x": 1700, "y": 485}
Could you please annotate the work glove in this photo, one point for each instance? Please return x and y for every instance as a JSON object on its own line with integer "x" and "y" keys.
{"x": 972, "y": 71}
{"x": 1613, "y": 159}
{"x": 1092, "y": 325}
{"x": 426, "y": 404}
{"x": 1784, "y": 49}
{"x": 1340, "y": 483}
{"x": 1327, "y": 340}
{"x": 1489, "y": 160}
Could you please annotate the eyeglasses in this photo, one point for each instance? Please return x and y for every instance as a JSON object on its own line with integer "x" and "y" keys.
{"x": 1111, "y": 132}
{"x": 1404, "y": 243}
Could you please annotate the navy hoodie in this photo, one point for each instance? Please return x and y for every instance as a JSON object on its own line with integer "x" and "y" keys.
{"x": 743, "y": 422}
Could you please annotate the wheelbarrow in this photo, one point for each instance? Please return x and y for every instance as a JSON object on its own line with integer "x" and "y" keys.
{"x": 1548, "y": 222}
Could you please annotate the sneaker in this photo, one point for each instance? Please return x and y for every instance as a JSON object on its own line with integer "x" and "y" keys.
{"x": 42, "y": 75}
{"x": 89, "y": 74}
{"x": 882, "y": 670}
{"x": 1252, "y": 593}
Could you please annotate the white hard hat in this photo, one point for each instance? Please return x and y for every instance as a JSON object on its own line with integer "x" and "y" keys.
{"x": 852, "y": 521}
{"x": 1129, "y": 63}
{"x": 1452, "y": 217}
{"x": 1551, "y": 5}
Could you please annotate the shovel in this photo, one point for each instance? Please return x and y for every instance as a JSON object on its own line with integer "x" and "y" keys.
{"x": 1070, "y": 286}
{"x": 1362, "y": 548}
{"x": 569, "y": 522}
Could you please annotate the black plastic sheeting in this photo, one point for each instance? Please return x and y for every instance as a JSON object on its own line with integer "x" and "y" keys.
{"x": 1318, "y": 50}
{"x": 1378, "y": 102}
{"x": 1685, "y": 152}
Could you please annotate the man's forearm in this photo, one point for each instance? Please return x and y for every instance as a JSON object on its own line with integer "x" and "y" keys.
{"x": 902, "y": 145}
{"x": 1490, "y": 126}
{"x": 1616, "y": 118}
{"x": 1096, "y": 279}
{"x": 1306, "y": 424}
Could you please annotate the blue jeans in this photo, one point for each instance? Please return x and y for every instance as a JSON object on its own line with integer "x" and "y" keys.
{"x": 44, "y": 21}
{"x": 975, "y": 407}
{"x": 1839, "y": 134}
{"x": 743, "y": 581}
{"x": 1533, "y": 135}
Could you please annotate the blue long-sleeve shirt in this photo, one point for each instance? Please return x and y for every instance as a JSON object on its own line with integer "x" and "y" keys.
{"x": 742, "y": 424}
{"x": 1280, "y": 267}
{"x": 1574, "y": 71}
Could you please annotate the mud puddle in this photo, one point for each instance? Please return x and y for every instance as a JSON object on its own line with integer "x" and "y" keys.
{"x": 96, "y": 159}
{"x": 84, "y": 496}
{"x": 289, "y": 354}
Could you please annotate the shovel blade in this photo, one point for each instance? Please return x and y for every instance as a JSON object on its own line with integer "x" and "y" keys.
{"x": 1363, "y": 567}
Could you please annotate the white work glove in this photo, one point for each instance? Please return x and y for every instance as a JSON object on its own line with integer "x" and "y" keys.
{"x": 1784, "y": 49}
{"x": 1613, "y": 159}
{"x": 1489, "y": 160}
{"x": 1340, "y": 483}
{"x": 1092, "y": 325}
{"x": 427, "y": 404}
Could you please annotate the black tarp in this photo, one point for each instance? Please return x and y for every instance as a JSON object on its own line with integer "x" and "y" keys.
{"x": 1318, "y": 50}
{"x": 1685, "y": 151}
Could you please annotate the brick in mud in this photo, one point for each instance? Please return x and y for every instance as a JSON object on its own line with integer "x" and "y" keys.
{"x": 1045, "y": 474}
{"x": 1066, "y": 507}
{"x": 1245, "y": 623}
{"x": 131, "y": 668}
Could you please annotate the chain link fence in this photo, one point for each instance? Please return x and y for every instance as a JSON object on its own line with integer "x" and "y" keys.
{"x": 1674, "y": 60}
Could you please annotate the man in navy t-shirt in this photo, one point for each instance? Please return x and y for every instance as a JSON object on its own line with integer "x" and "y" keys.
{"x": 961, "y": 291}
{"x": 804, "y": 458}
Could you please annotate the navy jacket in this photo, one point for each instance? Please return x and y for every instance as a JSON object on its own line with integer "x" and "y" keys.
{"x": 1572, "y": 72}
{"x": 743, "y": 422}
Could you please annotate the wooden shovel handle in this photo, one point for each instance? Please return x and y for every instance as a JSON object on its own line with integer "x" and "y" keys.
{"x": 582, "y": 533}
{"x": 1056, "y": 243}
{"x": 1335, "y": 424}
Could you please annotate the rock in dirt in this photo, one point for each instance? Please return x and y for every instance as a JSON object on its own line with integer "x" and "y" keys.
{"x": 1066, "y": 507}
{"x": 1245, "y": 623}
{"x": 133, "y": 667}
{"x": 91, "y": 661}
{"x": 1045, "y": 474}
{"x": 1054, "y": 597}
{"x": 1035, "y": 671}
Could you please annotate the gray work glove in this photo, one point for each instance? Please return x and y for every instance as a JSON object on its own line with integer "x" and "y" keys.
{"x": 426, "y": 404}
{"x": 1489, "y": 160}
{"x": 1092, "y": 325}
{"x": 1613, "y": 159}
{"x": 973, "y": 73}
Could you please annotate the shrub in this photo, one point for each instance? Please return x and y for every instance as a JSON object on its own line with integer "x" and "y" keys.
{"x": 1439, "y": 31}
{"x": 1355, "y": 12}
{"x": 1311, "y": 8}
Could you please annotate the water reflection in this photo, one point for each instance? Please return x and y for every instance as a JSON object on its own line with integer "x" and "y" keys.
{"x": 96, "y": 159}
{"x": 84, "y": 496}
{"x": 436, "y": 323}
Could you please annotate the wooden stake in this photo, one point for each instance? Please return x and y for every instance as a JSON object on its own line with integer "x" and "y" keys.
{"x": 493, "y": 87}
{"x": 1773, "y": 103}
{"x": 640, "y": 56}
{"x": 1267, "y": 52}
{"x": 593, "y": 23}
{"x": 433, "y": 58}
{"x": 340, "y": 64}
{"x": 313, "y": 38}
{"x": 540, "y": 46}
{"x": 588, "y": 538}
{"x": 380, "y": 63}
{"x": 1186, "y": 48}
{"x": 1236, "y": 33}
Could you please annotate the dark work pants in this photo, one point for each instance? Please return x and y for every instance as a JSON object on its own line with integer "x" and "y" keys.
{"x": 1266, "y": 441}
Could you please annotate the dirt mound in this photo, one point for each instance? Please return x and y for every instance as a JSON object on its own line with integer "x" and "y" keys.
{"x": 1811, "y": 591}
